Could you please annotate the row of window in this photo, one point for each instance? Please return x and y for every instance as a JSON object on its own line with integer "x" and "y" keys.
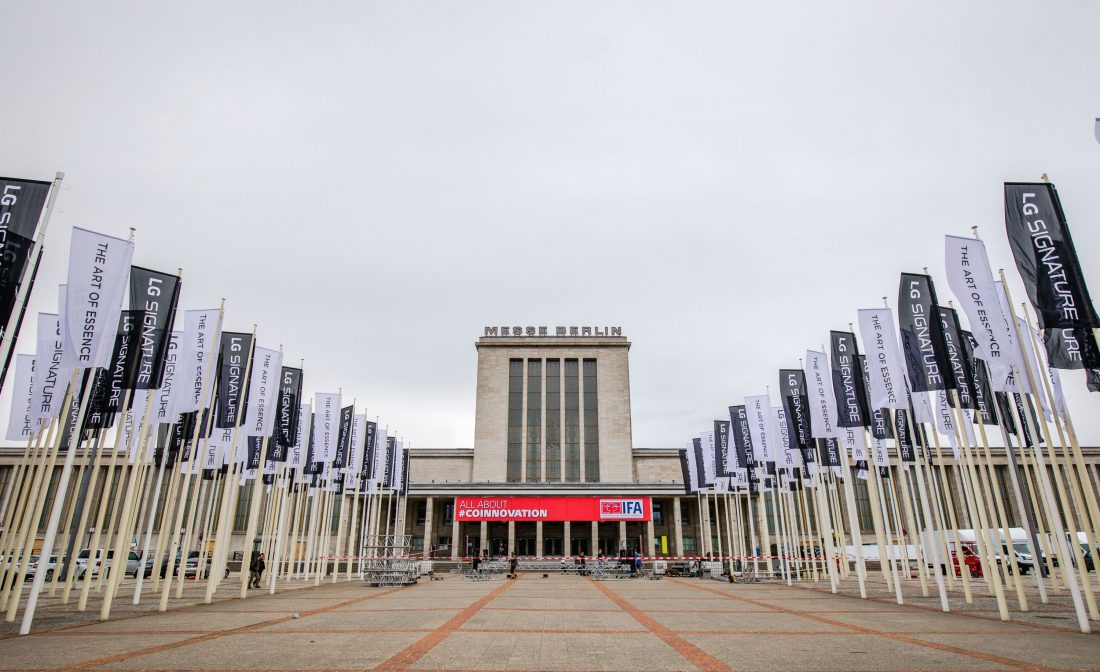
{"x": 560, "y": 387}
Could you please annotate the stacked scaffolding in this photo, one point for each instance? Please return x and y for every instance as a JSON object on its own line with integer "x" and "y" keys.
{"x": 387, "y": 561}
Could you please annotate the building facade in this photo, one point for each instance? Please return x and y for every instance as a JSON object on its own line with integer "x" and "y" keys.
{"x": 553, "y": 470}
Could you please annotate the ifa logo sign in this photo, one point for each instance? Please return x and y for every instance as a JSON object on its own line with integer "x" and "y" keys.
{"x": 622, "y": 509}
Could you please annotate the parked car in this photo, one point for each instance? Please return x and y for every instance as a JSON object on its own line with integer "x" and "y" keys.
{"x": 32, "y": 569}
{"x": 1024, "y": 559}
{"x": 190, "y": 568}
{"x": 105, "y": 558}
{"x": 970, "y": 557}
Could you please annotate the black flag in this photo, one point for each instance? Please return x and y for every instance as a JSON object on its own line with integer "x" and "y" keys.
{"x": 851, "y": 398}
{"x": 233, "y": 358}
{"x": 922, "y": 343}
{"x": 21, "y": 205}
{"x": 721, "y": 448}
{"x": 289, "y": 405}
{"x": 685, "y": 471}
{"x": 905, "y": 436}
{"x": 343, "y": 440}
{"x": 983, "y": 391}
{"x": 1071, "y": 348}
{"x": 155, "y": 295}
{"x": 959, "y": 365}
{"x": 1046, "y": 258}
{"x": 742, "y": 443}
{"x": 1092, "y": 379}
{"x": 792, "y": 389}
{"x": 367, "y": 472}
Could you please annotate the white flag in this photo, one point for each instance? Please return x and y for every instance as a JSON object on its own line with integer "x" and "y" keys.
{"x": 164, "y": 403}
{"x": 99, "y": 268}
{"x": 1055, "y": 385}
{"x": 21, "y": 426}
{"x": 819, "y": 389}
{"x": 1037, "y": 366}
{"x": 789, "y": 452}
{"x": 971, "y": 280}
{"x": 854, "y": 442}
{"x": 263, "y": 392}
{"x": 51, "y": 377}
{"x": 760, "y": 424}
{"x": 326, "y": 406}
{"x": 880, "y": 338}
{"x": 216, "y": 447}
{"x": 301, "y": 437}
{"x": 131, "y": 425}
{"x": 707, "y": 443}
{"x": 199, "y": 341}
{"x": 1017, "y": 381}
{"x": 355, "y": 451}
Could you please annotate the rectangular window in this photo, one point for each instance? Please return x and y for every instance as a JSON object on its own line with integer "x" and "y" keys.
{"x": 572, "y": 421}
{"x": 591, "y": 424}
{"x": 244, "y": 500}
{"x": 685, "y": 513}
{"x": 422, "y": 513}
{"x": 334, "y": 522}
{"x": 553, "y": 420}
{"x": 515, "y": 420}
{"x": 534, "y": 420}
{"x": 1002, "y": 486}
{"x": 689, "y": 544}
{"x": 658, "y": 513}
{"x": 449, "y": 513}
{"x": 863, "y": 502}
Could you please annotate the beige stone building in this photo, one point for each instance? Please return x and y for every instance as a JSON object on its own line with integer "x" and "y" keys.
{"x": 552, "y": 422}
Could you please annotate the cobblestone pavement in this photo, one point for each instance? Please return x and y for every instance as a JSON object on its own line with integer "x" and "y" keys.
{"x": 559, "y": 623}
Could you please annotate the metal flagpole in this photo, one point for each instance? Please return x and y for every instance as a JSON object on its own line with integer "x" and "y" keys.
{"x": 230, "y": 491}
{"x": 55, "y": 515}
{"x": 1059, "y": 531}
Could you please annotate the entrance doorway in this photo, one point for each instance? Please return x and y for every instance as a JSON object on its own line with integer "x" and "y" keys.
{"x": 551, "y": 546}
{"x": 579, "y": 546}
{"x": 526, "y": 546}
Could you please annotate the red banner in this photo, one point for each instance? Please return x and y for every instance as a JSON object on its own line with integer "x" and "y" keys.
{"x": 553, "y": 508}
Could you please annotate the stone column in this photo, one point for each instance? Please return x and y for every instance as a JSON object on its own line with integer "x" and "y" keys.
{"x": 485, "y": 536}
{"x": 594, "y": 551}
{"x": 456, "y": 539}
{"x": 511, "y": 537}
{"x": 567, "y": 539}
{"x": 538, "y": 539}
{"x": 622, "y": 534}
{"x": 651, "y": 539}
{"x": 677, "y": 526}
{"x": 429, "y": 541}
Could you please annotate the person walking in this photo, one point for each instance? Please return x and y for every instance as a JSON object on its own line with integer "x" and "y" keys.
{"x": 513, "y": 564}
{"x": 256, "y": 571}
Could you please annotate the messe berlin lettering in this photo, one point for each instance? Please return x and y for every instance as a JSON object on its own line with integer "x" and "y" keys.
{"x": 558, "y": 331}
{"x": 553, "y": 508}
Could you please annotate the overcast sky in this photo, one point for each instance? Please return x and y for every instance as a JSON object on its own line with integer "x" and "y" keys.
{"x": 372, "y": 183}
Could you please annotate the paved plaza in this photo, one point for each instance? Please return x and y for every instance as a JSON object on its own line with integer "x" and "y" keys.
{"x": 557, "y": 623}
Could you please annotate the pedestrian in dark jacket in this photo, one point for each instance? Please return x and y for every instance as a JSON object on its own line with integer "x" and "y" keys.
{"x": 513, "y": 564}
{"x": 256, "y": 571}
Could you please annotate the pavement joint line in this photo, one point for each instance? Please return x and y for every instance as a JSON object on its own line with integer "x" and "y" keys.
{"x": 690, "y": 652}
{"x": 552, "y": 631}
{"x": 168, "y": 646}
{"x": 1000, "y": 660}
{"x": 407, "y": 657}
{"x": 551, "y": 609}
{"x": 492, "y": 669}
{"x": 970, "y": 613}
{"x": 125, "y": 615}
